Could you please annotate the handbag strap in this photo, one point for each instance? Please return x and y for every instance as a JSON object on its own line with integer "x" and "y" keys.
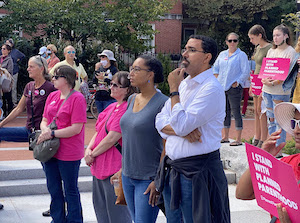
{"x": 117, "y": 145}
{"x": 63, "y": 103}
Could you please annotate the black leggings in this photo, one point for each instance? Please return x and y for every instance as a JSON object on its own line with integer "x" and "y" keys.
{"x": 7, "y": 103}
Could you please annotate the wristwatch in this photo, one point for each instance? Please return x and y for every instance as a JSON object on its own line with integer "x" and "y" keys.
{"x": 52, "y": 133}
{"x": 174, "y": 93}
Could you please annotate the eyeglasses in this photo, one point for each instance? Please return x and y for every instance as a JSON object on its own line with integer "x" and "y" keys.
{"x": 294, "y": 122}
{"x": 4, "y": 49}
{"x": 191, "y": 50}
{"x": 137, "y": 69}
{"x": 232, "y": 40}
{"x": 69, "y": 52}
{"x": 114, "y": 85}
{"x": 58, "y": 76}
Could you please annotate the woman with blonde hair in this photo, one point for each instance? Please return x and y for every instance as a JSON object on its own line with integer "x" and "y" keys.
{"x": 258, "y": 38}
{"x": 53, "y": 59}
{"x": 33, "y": 99}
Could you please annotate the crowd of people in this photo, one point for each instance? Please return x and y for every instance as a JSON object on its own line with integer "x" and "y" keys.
{"x": 162, "y": 148}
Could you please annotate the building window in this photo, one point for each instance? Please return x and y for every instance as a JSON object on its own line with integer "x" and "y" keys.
{"x": 150, "y": 42}
{"x": 173, "y": 16}
{"x": 188, "y": 32}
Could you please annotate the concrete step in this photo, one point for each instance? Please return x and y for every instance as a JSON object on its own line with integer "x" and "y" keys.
{"x": 27, "y": 187}
{"x": 26, "y": 177}
{"x": 231, "y": 176}
{"x": 30, "y": 169}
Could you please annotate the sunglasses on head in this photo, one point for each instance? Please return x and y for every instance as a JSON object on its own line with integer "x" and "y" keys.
{"x": 69, "y": 52}
{"x": 295, "y": 122}
{"x": 58, "y": 76}
{"x": 232, "y": 40}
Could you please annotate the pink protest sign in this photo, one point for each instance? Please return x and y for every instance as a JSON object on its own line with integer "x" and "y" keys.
{"x": 256, "y": 84}
{"x": 275, "y": 68}
{"x": 273, "y": 182}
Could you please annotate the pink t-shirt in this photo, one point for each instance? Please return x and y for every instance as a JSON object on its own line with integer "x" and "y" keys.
{"x": 73, "y": 111}
{"x": 109, "y": 162}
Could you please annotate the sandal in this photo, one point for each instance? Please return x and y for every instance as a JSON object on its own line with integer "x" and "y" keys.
{"x": 260, "y": 144}
{"x": 256, "y": 141}
{"x": 236, "y": 143}
{"x": 224, "y": 141}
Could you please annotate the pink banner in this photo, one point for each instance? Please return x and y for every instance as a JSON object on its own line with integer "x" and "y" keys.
{"x": 256, "y": 84}
{"x": 273, "y": 182}
{"x": 274, "y": 68}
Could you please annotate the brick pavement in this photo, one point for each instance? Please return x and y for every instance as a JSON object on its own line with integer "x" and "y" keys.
{"x": 8, "y": 153}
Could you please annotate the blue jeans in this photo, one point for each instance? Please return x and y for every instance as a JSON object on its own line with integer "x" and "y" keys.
{"x": 233, "y": 102}
{"x": 66, "y": 172}
{"x": 270, "y": 104}
{"x": 14, "y": 134}
{"x": 101, "y": 105}
{"x": 137, "y": 202}
{"x": 185, "y": 208}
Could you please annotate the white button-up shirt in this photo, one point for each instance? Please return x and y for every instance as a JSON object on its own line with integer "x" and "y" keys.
{"x": 202, "y": 106}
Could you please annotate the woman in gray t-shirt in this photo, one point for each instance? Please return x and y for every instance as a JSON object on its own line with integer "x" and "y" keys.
{"x": 142, "y": 145}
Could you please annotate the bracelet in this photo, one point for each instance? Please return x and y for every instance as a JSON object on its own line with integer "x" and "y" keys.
{"x": 52, "y": 133}
{"x": 173, "y": 94}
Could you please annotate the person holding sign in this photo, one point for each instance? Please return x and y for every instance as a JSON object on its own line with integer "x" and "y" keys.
{"x": 288, "y": 117}
{"x": 292, "y": 80}
{"x": 232, "y": 70}
{"x": 273, "y": 92}
{"x": 258, "y": 38}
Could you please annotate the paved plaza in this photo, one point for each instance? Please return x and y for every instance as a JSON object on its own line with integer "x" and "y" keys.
{"x": 28, "y": 207}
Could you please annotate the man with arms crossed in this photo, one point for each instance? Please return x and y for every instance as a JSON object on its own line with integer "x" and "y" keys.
{"x": 191, "y": 176}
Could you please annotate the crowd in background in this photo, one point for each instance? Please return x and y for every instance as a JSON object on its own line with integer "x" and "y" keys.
{"x": 127, "y": 143}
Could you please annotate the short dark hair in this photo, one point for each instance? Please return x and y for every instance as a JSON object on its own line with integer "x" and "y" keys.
{"x": 8, "y": 47}
{"x": 122, "y": 78}
{"x": 208, "y": 45}
{"x": 154, "y": 65}
{"x": 68, "y": 72}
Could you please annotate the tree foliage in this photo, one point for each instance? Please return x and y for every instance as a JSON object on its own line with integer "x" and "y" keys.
{"x": 216, "y": 11}
{"x": 217, "y": 18}
{"x": 122, "y": 22}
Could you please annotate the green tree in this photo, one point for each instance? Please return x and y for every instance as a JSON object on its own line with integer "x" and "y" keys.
{"x": 217, "y": 18}
{"x": 121, "y": 22}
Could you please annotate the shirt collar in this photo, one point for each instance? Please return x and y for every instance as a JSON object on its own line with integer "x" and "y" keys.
{"x": 201, "y": 77}
{"x": 235, "y": 52}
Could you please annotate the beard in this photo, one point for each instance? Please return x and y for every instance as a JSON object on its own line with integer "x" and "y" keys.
{"x": 184, "y": 63}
